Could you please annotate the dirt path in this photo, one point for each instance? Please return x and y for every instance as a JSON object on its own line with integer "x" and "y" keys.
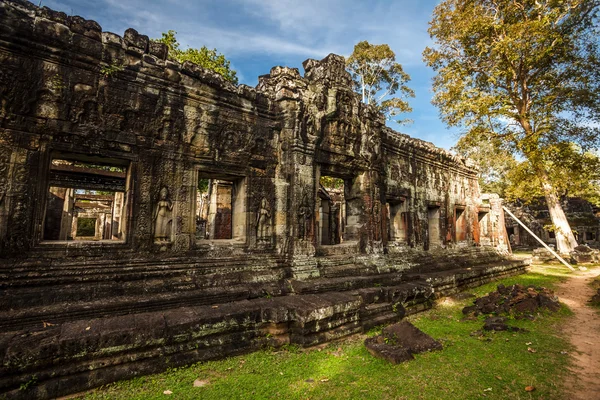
{"x": 584, "y": 332}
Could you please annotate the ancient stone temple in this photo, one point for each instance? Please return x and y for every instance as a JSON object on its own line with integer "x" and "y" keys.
{"x": 153, "y": 215}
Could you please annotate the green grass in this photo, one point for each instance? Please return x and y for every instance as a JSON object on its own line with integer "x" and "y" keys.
{"x": 595, "y": 284}
{"x": 491, "y": 366}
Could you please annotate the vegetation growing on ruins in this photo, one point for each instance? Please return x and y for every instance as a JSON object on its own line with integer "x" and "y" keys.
{"x": 207, "y": 58}
{"x": 111, "y": 69}
{"x": 493, "y": 365}
{"x": 525, "y": 74}
{"x": 329, "y": 182}
{"x": 379, "y": 79}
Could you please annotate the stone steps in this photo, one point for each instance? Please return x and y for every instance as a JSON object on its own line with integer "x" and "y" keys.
{"x": 70, "y": 284}
{"x": 343, "y": 283}
{"x": 105, "y": 349}
{"x": 90, "y": 344}
{"x": 344, "y": 266}
{"x": 156, "y": 287}
{"x": 43, "y": 273}
{"x": 35, "y": 316}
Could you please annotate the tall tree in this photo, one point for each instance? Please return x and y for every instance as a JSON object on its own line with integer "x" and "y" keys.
{"x": 378, "y": 77}
{"x": 205, "y": 57}
{"x": 574, "y": 174}
{"x": 493, "y": 170}
{"x": 524, "y": 71}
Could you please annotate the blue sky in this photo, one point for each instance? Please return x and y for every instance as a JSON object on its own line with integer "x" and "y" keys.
{"x": 259, "y": 34}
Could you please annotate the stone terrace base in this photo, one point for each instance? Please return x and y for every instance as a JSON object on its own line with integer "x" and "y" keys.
{"x": 90, "y": 347}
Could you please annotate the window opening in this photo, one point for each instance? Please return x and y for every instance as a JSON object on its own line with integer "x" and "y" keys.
{"x": 590, "y": 236}
{"x": 219, "y": 208}
{"x": 397, "y": 222}
{"x": 86, "y": 201}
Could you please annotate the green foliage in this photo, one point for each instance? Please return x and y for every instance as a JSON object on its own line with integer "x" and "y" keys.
{"x": 203, "y": 185}
{"x": 205, "y": 57}
{"x": 86, "y": 226}
{"x": 330, "y": 182}
{"x": 494, "y": 162}
{"x": 110, "y": 168}
{"x": 378, "y": 77}
{"x": 466, "y": 366}
{"x": 27, "y": 385}
{"x": 574, "y": 173}
{"x": 111, "y": 69}
{"x": 525, "y": 73}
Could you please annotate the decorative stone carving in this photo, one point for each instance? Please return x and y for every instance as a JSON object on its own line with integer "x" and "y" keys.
{"x": 263, "y": 222}
{"x": 162, "y": 217}
{"x": 304, "y": 217}
{"x": 377, "y": 220}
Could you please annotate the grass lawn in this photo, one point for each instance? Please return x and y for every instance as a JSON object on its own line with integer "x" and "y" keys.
{"x": 595, "y": 284}
{"x": 493, "y": 365}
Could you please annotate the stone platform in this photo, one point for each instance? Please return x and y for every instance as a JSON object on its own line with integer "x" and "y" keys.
{"x": 70, "y": 339}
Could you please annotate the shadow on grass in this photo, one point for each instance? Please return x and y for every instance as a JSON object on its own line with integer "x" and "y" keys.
{"x": 472, "y": 365}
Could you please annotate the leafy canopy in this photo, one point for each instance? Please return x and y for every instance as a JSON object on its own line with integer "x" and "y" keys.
{"x": 526, "y": 71}
{"x": 205, "y": 57}
{"x": 574, "y": 174}
{"x": 493, "y": 161}
{"x": 378, "y": 77}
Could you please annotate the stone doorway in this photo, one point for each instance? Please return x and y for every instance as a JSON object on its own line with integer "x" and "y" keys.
{"x": 331, "y": 224}
{"x": 460, "y": 224}
{"x": 397, "y": 222}
{"x": 434, "y": 238}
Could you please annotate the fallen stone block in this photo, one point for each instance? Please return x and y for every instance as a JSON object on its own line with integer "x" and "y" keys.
{"x": 516, "y": 299}
{"x": 499, "y": 324}
{"x": 397, "y": 343}
{"x": 543, "y": 255}
{"x": 584, "y": 254}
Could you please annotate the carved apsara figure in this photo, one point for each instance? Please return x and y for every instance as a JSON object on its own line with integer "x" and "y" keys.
{"x": 304, "y": 216}
{"x": 263, "y": 221}
{"x": 377, "y": 220}
{"x": 162, "y": 216}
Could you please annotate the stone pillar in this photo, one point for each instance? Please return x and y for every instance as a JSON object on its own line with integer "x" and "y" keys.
{"x": 296, "y": 196}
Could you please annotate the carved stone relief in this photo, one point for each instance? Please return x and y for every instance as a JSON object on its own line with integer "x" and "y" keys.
{"x": 163, "y": 217}
{"x": 263, "y": 222}
{"x": 304, "y": 217}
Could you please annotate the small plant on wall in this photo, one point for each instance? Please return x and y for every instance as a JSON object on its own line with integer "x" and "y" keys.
{"x": 111, "y": 69}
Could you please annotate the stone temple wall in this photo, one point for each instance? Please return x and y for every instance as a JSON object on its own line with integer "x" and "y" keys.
{"x": 71, "y": 91}
{"x": 153, "y": 214}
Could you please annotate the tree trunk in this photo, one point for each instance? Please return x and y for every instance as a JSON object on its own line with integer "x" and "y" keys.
{"x": 565, "y": 240}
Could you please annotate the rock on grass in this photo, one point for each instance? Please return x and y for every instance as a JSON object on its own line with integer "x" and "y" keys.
{"x": 397, "y": 343}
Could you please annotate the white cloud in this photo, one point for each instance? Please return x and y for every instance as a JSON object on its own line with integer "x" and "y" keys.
{"x": 338, "y": 25}
{"x": 235, "y": 43}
